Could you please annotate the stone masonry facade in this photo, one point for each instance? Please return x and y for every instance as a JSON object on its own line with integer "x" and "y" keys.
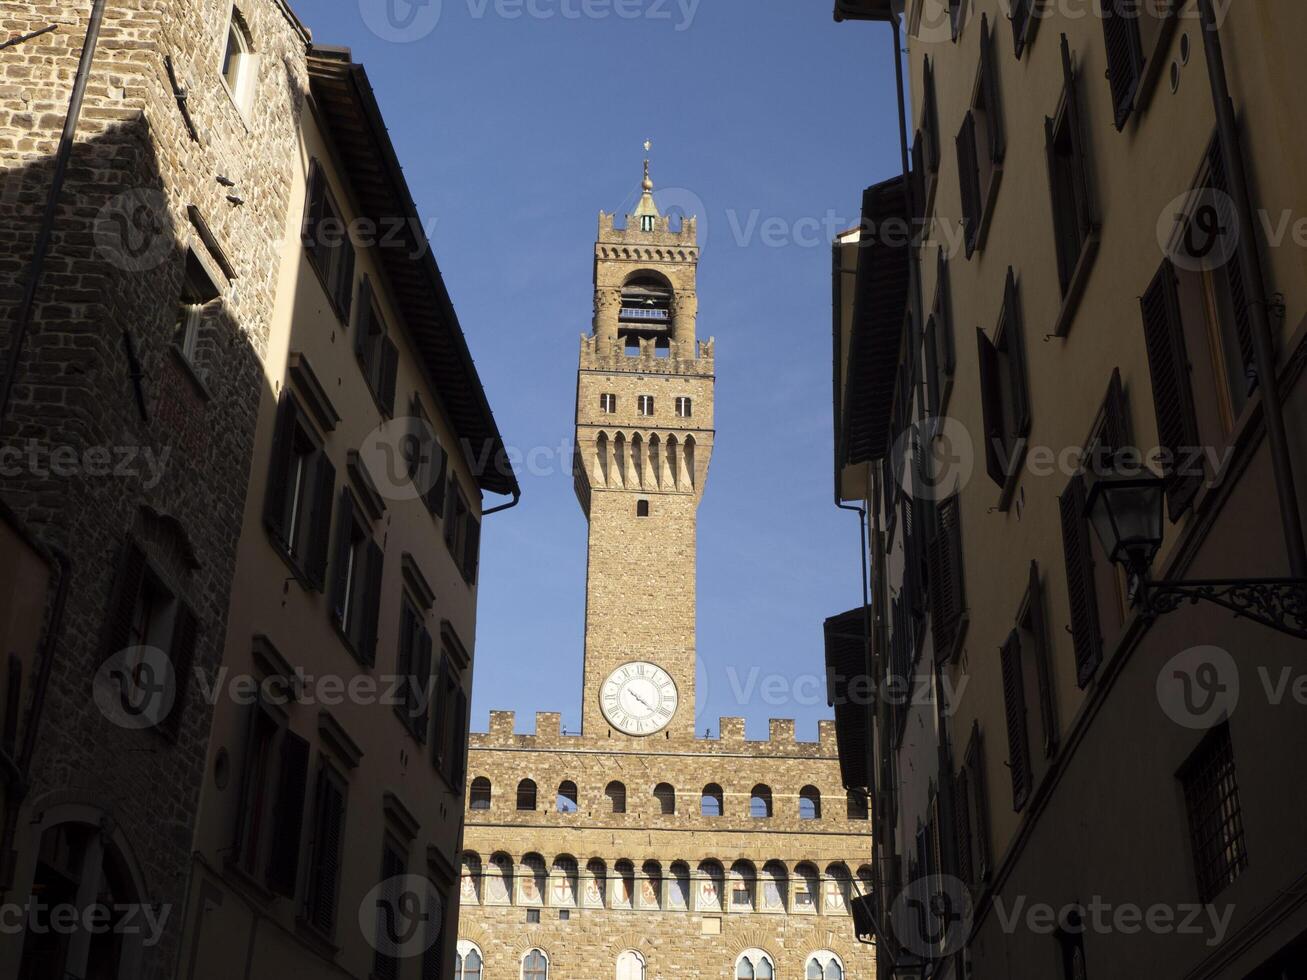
{"x": 118, "y": 436}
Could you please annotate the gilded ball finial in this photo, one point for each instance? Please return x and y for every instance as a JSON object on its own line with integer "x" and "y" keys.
{"x": 648, "y": 182}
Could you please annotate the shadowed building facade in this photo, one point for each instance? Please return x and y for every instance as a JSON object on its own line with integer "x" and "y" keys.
{"x": 636, "y": 849}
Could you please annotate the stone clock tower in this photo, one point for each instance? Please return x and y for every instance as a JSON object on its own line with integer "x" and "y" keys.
{"x": 640, "y": 848}
{"x": 644, "y": 437}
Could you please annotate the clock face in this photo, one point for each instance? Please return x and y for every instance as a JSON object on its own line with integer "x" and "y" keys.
{"x": 638, "y": 698}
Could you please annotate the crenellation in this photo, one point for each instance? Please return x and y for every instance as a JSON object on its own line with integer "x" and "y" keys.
{"x": 781, "y": 730}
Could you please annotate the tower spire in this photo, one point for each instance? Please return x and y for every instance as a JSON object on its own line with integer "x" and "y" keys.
{"x": 647, "y": 210}
{"x": 648, "y": 183}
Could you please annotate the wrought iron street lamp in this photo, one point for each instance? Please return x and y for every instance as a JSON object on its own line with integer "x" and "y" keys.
{"x": 1125, "y": 509}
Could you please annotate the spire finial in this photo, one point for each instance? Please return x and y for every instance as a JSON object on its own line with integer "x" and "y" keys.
{"x": 648, "y": 182}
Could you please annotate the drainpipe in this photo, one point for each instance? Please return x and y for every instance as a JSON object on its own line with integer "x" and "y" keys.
{"x": 23, "y": 321}
{"x": 517, "y": 497}
{"x": 1250, "y": 266}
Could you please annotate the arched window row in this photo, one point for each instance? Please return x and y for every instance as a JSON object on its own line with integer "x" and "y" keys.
{"x": 752, "y": 964}
{"x": 624, "y": 884}
{"x": 712, "y": 800}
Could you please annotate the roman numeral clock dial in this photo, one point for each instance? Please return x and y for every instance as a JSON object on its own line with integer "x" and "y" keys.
{"x": 638, "y": 698}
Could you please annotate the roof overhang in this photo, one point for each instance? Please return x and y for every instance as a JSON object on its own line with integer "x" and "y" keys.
{"x": 879, "y": 304}
{"x": 850, "y": 692}
{"x": 348, "y": 107}
{"x": 878, "y": 10}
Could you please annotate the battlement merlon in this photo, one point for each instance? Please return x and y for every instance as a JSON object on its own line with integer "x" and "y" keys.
{"x": 548, "y": 734}
{"x": 686, "y": 233}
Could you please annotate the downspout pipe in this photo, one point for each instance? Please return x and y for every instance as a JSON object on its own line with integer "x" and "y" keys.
{"x": 23, "y": 320}
{"x": 517, "y": 498}
{"x": 1250, "y": 266}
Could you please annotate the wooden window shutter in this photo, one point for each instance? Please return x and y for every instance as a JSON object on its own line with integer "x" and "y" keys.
{"x": 1023, "y": 23}
{"x": 976, "y": 771}
{"x": 122, "y": 611}
{"x": 471, "y": 548}
{"x": 436, "y": 494}
{"x": 363, "y": 322}
{"x": 440, "y": 733}
{"x": 1039, "y": 630}
{"x": 962, "y": 826}
{"x": 1173, "y": 399}
{"x": 1125, "y": 56}
{"x": 340, "y": 570}
{"x": 1219, "y": 181}
{"x": 288, "y": 816}
{"x": 389, "y": 370}
{"x": 969, "y": 181}
{"x": 944, "y": 315}
{"x": 425, "y": 691}
{"x": 371, "y": 602}
{"x": 458, "y": 739}
{"x": 276, "y": 506}
{"x": 992, "y": 96}
{"x": 247, "y": 780}
{"x": 1065, "y": 262}
{"x": 345, "y": 284}
{"x": 314, "y": 203}
{"x": 1079, "y": 150}
{"x": 946, "y": 579}
{"x": 319, "y": 532}
{"x": 181, "y": 654}
{"x": 1014, "y": 704}
{"x": 1014, "y": 343}
{"x": 930, "y": 118}
{"x": 991, "y": 402}
{"x": 1081, "y": 591}
{"x": 329, "y": 828}
{"x": 1115, "y": 433}
{"x": 918, "y": 183}
{"x": 454, "y": 514}
{"x": 406, "y": 658}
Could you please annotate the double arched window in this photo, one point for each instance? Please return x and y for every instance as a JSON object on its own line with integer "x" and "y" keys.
{"x": 468, "y": 961}
{"x": 810, "y": 803}
{"x": 754, "y": 964}
{"x": 630, "y": 966}
{"x": 710, "y": 804}
{"x": 824, "y": 965}
{"x": 666, "y": 797}
{"x": 535, "y": 965}
{"x": 760, "y": 802}
{"x": 567, "y": 797}
{"x": 616, "y": 793}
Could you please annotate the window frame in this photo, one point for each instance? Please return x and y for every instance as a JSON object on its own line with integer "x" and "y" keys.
{"x": 246, "y": 63}
{"x": 1005, "y": 394}
{"x": 328, "y": 776}
{"x": 334, "y": 264}
{"x": 374, "y": 350}
{"x": 298, "y": 449}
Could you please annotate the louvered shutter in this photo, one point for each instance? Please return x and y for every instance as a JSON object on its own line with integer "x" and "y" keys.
{"x": 340, "y": 567}
{"x": 962, "y": 826}
{"x": 425, "y": 691}
{"x": 991, "y": 403}
{"x": 458, "y": 739}
{"x": 992, "y": 95}
{"x": 930, "y": 119}
{"x": 946, "y": 583}
{"x": 288, "y": 815}
{"x": 1021, "y": 14}
{"x": 471, "y": 549}
{"x": 1014, "y": 705}
{"x": 371, "y": 602}
{"x": 1082, "y": 594}
{"x": 1168, "y": 366}
{"x": 1227, "y": 217}
{"x": 454, "y": 515}
{"x": 1079, "y": 151}
{"x": 345, "y": 282}
{"x": 979, "y": 792}
{"x": 1115, "y": 434}
{"x": 389, "y": 369}
{"x": 406, "y": 660}
{"x": 314, "y": 203}
{"x": 329, "y": 827}
{"x": 440, "y": 465}
{"x": 969, "y": 181}
{"x": 276, "y": 506}
{"x": 1039, "y": 631}
{"x": 1124, "y": 55}
{"x": 127, "y": 591}
{"x": 1065, "y": 261}
{"x": 363, "y": 324}
{"x": 944, "y": 317}
{"x": 440, "y": 732}
{"x": 181, "y": 654}
{"x": 918, "y": 182}
{"x": 1014, "y": 344}
{"x": 433, "y": 958}
{"x": 318, "y": 542}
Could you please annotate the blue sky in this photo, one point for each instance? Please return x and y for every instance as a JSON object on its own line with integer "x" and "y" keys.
{"x": 516, "y": 122}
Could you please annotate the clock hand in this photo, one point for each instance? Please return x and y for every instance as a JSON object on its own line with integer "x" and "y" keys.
{"x": 642, "y": 701}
